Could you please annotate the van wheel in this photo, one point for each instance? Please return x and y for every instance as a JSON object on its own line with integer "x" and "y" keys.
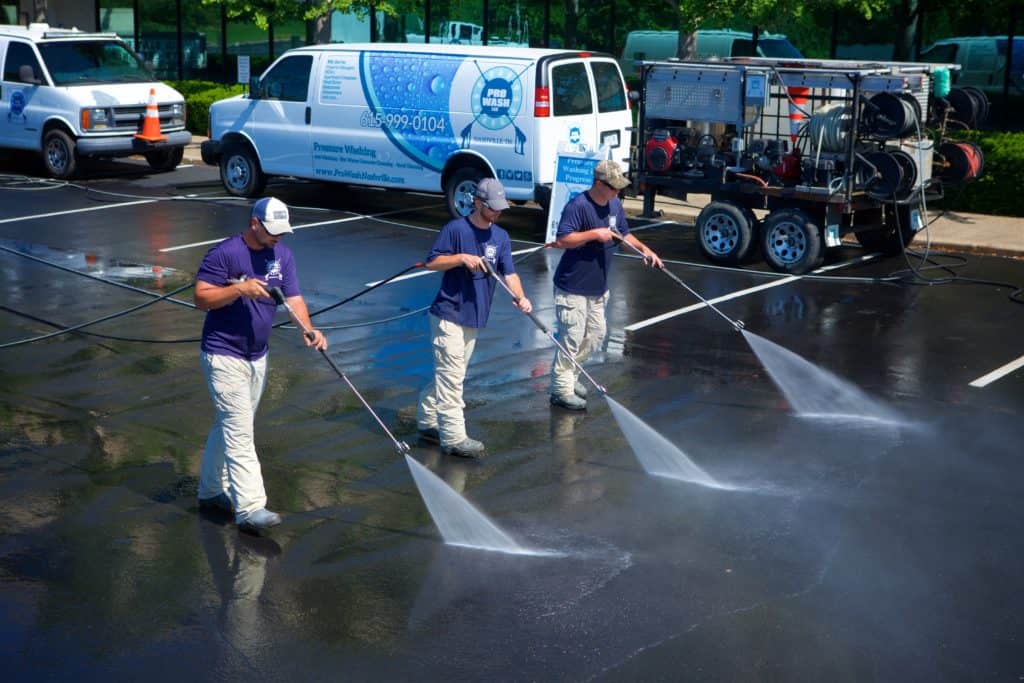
{"x": 165, "y": 159}
{"x": 791, "y": 241}
{"x": 726, "y": 232}
{"x": 240, "y": 171}
{"x": 59, "y": 154}
{"x": 460, "y": 189}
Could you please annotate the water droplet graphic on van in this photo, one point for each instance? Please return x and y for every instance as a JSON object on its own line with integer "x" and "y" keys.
{"x": 438, "y": 85}
{"x": 394, "y": 87}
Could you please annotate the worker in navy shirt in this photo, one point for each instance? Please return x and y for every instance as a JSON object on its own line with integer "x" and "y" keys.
{"x": 232, "y": 287}
{"x": 460, "y": 309}
{"x": 587, "y": 231}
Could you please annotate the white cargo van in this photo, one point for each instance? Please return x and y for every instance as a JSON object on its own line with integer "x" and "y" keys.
{"x": 435, "y": 118}
{"x": 66, "y": 94}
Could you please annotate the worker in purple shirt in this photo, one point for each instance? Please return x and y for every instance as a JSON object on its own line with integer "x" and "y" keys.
{"x": 588, "y": 230}
{"x": 460, "y": 309}
{"x": 232, "y": 286}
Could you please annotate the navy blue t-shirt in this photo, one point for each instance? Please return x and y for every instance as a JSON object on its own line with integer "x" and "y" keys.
{"x": 242, "y": 328}
{"x": 465, "y": 296}
{"x": 584, "y": 270}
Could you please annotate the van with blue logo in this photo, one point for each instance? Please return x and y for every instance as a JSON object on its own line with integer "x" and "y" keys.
{"x": 69, "y": 94}
{"x": 433, "y": 118}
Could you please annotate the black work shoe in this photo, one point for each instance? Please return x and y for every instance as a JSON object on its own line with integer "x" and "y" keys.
{"x": 569, "y": 402}
{"x": 580, "y": 390}
{"x": 467, "y": 448}
{"x": 430, "y": 434}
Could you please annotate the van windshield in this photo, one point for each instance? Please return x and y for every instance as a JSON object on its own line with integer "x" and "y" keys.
{"x": 77, "y": 62}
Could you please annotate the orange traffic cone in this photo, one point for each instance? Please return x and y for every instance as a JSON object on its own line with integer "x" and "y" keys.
{"x": 151, "y": 121}
{"x": 797, "y": 104}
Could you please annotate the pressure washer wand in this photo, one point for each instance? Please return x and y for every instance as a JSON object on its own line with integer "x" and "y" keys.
{"x": 737, "y": 324}
{"x": 278, "y": 295}
{"x": 543, "y": 328}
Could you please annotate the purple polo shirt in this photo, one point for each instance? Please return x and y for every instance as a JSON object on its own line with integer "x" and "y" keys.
{"x": 242, "y": 328}
{"x": 584, "y": 270}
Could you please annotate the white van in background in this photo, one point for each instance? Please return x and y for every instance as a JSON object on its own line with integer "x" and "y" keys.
{"x": 435, "y": 118}
{"x": 66, "y": 94}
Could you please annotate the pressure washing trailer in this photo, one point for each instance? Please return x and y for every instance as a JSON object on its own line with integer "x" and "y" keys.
{"x": 828, "y": 148}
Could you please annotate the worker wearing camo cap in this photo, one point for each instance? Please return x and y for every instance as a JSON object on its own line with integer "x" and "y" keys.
{"x": 460, "y": 309}
{"x": 587, "y": 231}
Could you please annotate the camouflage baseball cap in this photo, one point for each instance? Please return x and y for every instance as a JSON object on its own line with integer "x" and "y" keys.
{"x": 610, "y": 172}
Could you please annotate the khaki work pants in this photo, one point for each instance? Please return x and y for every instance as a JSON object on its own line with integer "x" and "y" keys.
{"x": 229, "y": 463}
{"x": 581, "y": 329}
{"x": 441, "y": 402}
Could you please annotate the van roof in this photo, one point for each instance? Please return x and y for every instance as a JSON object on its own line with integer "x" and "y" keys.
{"x": 440, "y": 48}
{"x": 42, "y": 32}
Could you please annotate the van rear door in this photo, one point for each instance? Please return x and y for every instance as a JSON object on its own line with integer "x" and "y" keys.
{"x": 588, "y": 107}
{"x": 281, "y": 117}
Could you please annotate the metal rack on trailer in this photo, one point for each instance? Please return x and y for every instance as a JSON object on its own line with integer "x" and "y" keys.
{"x": 827, "y": 147}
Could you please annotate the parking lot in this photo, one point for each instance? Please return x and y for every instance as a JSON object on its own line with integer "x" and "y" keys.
{"x": 846, "y": 549}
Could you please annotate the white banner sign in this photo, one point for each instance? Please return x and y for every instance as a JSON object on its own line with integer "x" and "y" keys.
{"x": 574, "y": 174}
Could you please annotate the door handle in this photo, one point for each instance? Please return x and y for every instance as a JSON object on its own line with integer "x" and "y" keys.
{"x": 309, "y": 115}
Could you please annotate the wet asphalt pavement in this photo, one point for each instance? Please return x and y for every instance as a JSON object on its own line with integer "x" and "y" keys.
{"x": 851, "y": 550}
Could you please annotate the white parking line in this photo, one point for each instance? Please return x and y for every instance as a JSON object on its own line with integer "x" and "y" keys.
{"x": 296, "y": 227}
{"x": 71, "y": 211}
{"x": 421, "y": 273}
{"x": 998, "y": 373}
{"x": 743, "y": 292}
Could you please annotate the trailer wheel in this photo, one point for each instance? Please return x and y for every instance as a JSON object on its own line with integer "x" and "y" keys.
{"x": 59, "y": 155}
{"x": 726, "y": 232}
{"x": 791, "y": 241}
{"x": 460, "y": 189}
{"x": 240, "y": 171}
{"x": 895, "y": 234}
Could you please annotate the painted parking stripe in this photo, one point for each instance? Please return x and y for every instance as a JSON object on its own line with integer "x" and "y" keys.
{"x": 71, "y": 211}
{"x": 998, "y": 373}
{"x": 743, "y": 292}
{"x": 318, "y": 224}
{"x": 421, "y": 273}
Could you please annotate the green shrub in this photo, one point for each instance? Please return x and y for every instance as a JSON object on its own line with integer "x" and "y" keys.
{"x": 997, "y": 191}
{"x": 199, "y": 95}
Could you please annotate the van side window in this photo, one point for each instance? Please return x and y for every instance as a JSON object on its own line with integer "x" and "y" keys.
{"x": 288, "y": 80}
{"x": 571, "y": 90}
{"x": 19, "y": 54}
{"x": 610, "y": 95}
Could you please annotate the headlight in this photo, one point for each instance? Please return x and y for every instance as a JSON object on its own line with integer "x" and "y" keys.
{"x": 95, "y": 118}
{"x": 178, "y": 114}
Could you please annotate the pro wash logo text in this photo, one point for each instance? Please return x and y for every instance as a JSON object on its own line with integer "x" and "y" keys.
{"x": 497, "y": 97}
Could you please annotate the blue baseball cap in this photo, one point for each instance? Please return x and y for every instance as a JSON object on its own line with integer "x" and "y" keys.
{"x": 273, "y": 214}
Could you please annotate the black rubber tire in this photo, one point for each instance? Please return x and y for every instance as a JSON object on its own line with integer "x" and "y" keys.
{"x": 886, "y": 239}
{"x": 726, "y": 232}
{"x": 458, "y": 193}
{"x": 166, "y": 159}
{"x": 59, "y": 155}
{"x": 791, "y": 241}
{"x": 240, "y": 171}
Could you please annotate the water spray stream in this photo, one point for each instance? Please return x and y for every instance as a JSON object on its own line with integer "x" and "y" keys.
{"x": 656, "y": 454}
{"x": 459, "y": 522}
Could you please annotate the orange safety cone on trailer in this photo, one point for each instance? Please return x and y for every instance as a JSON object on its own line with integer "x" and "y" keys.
{"x": 797, "y": 107}
{"x": 151, "y": 121}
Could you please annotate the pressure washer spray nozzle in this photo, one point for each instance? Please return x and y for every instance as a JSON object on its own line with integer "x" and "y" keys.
{"x": 738, "y": 324}
{"x": 403, "y": 448}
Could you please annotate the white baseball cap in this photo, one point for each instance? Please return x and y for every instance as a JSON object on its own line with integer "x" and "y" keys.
{"x": 273, "y": 214}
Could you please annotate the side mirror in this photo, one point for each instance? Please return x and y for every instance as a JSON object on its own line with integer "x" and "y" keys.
{"x": 26, "y": 74}
{"x": 254, "y": 87}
